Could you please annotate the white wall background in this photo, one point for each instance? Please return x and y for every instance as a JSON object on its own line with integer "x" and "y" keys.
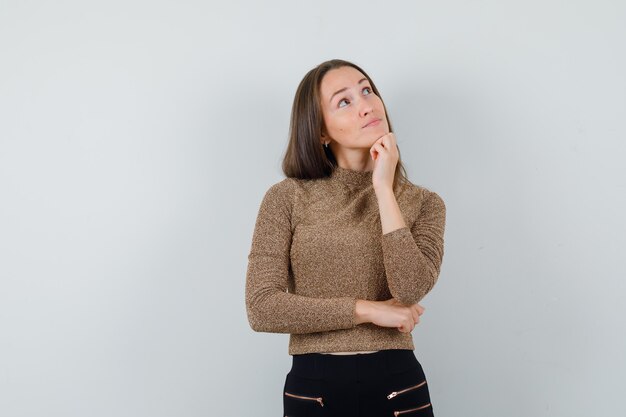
{"x": 137, "y": 139}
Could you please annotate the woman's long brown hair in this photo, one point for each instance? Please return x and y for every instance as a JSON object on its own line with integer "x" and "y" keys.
{"x": 306, "y": 157}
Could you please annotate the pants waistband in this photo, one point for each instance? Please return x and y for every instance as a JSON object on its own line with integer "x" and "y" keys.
{"x": 360, "y": 366}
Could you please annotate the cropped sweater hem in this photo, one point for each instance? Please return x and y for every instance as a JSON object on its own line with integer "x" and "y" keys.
{"x": 348, "y": 344}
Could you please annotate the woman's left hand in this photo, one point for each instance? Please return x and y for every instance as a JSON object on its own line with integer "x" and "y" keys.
{"x": 384, "y": 152}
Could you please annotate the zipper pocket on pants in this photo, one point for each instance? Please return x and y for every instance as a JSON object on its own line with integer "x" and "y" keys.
{"x": 402, "y": 391}
{"x": 302, "y": 397}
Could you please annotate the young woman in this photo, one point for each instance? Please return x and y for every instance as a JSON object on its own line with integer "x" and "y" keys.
{"x": 343, "y": 250}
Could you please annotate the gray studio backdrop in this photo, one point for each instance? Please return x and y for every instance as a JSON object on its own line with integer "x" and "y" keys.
{"x": 137, "y": 139}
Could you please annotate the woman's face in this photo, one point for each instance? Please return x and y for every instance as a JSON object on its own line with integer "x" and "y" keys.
{"x": 348, "y": 106}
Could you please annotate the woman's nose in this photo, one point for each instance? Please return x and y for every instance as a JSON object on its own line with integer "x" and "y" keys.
{"x": 366, "y": 108}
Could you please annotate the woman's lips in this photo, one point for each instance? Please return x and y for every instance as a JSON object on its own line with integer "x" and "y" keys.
{"x": 372, "y": 123}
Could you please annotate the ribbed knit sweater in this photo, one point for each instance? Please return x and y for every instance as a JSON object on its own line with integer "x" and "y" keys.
{"x": 318, "y": 246}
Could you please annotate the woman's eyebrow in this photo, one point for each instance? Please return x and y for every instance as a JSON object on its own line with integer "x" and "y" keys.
{"x": 344, "y": 89}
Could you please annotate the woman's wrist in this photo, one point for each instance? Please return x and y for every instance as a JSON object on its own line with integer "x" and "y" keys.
{"x": 362, "y": 311}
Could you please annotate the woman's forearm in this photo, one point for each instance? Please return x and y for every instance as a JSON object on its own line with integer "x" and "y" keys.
{"x": 390, "y": 214}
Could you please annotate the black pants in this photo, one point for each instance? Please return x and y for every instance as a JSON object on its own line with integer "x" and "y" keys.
{"x": 386, "y": 383}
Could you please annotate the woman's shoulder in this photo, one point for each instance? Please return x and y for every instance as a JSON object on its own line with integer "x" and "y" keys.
{"x": 290, "y": 185}
{"x": 281, "y": 192}
{"x": 421, "y": 193}
{"x": 280, "y": 189}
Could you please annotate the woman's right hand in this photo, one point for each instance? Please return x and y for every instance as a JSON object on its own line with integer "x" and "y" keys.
{"x": 390, "y": 313}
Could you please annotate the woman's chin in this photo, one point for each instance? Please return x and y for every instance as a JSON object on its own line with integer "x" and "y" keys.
{"x": 374, "y": 135}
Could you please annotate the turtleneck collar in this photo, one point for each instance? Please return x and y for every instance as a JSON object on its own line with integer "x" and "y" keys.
{"x": 352, "y": 177}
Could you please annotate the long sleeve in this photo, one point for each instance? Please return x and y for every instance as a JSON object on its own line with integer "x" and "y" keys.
{"x": 412, "y": 256}
{"x": 270, "y": 308}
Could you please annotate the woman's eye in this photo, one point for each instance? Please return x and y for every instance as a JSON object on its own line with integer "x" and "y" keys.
{"x": 369, "y": 91}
